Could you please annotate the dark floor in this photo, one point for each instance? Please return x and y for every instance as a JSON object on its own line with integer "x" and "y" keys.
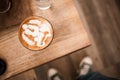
{"x": 101, "y": 19}
{"x": 67, "y": 66}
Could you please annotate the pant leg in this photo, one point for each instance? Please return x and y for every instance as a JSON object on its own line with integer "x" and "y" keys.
{"x": 94, "y": 76}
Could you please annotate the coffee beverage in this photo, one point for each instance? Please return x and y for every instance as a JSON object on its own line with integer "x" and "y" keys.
{"x": 35, "y": 33}
{"x": 4, "y": 5}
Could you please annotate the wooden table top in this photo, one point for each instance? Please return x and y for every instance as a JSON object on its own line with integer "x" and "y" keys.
{"x": 69, "y": 36}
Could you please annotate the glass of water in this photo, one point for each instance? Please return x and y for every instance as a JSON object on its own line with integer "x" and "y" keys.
{"x": 43, "y": 4}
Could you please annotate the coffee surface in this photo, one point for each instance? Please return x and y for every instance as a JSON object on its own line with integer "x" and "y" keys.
{"x": 35, "y": 33}
{"x": 4, "y": 4}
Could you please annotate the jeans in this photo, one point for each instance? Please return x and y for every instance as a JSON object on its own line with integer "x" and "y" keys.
{"x": 94, "y": 76}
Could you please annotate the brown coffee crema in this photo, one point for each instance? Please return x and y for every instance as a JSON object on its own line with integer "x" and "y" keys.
{"x": 35, "y": 33}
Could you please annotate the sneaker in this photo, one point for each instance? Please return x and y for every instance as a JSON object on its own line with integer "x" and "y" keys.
{"x": 85, "y": 66}
{"x": 53, "y": 74}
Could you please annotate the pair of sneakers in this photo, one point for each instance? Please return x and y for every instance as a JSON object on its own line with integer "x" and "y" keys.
{"x": 84, "y": 68}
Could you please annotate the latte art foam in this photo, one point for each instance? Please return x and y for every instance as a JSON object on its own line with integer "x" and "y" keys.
{"x": 36, "y": 33}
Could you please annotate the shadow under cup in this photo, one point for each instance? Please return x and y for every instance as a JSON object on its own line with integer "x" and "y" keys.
{"x": 4, "y": 6}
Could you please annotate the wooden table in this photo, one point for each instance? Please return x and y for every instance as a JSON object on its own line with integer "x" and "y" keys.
{"x": 69, "y": 36}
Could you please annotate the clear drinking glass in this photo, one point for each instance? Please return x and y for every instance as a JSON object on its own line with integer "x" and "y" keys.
{"x": 4, "y": 6}
{"x": 43, "y": 4}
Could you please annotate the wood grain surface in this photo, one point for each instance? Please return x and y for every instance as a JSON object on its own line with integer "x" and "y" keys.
{"x": 101, "y": 60}
{"x": 69, "y": 36}
{"x": 102, "y": 20}
{"x": 28, "y": 75}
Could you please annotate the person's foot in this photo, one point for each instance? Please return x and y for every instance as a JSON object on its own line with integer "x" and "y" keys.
{"x": 53, "y": 74}
{"x": 85, "y": 66}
